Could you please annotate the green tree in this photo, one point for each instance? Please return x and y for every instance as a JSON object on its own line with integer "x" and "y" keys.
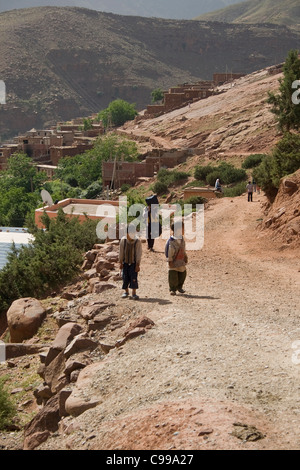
{"x": 287, "y": 113}
{"x": 157, "y": 95}
{"x": 87, "y": 124}
{"x": 284, "y": 160}
{"x": 20, "y": 187}
{"x": 117, "y": 113}
{"x": 52, "y": 259}
{"x": 85, "y": 169}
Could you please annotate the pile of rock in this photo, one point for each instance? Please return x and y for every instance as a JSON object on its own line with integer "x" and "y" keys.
{"x": 90, "y": 325}
{"x": 283, "y": 217}
{"x": 61, "y": 365}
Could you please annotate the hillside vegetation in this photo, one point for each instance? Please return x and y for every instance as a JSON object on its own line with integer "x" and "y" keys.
{"x": 58, "y": 63}
{"x": 258, "y": 11}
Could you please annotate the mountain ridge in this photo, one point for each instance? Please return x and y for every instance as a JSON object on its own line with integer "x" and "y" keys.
{"x": 59, "y": 63}
{"x": 166, "y": 9}
{"x": 258, "y": 11}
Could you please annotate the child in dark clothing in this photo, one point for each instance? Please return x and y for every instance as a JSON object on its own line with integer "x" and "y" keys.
{"x": 177, "y": 259}
{"x": 130, "y": 260}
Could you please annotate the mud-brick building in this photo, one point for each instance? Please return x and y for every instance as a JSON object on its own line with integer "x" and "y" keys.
{"x": 220, "y": 78}
{"x": 181, "y": 95}
{"x": 114, "y": 174}
{"x": 5, "y": 152}
{"x": 37, "y": 143}
{"x": 58, "y": 152}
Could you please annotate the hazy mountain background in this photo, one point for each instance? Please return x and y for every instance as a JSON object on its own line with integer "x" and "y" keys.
{"x": 61, "y": 63}
{"x": 175, "y": 9}
{"x": 259, "y": 11}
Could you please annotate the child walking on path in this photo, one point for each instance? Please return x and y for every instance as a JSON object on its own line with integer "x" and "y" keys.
{"x": 130, "y": 256}
{"x": 177, "y": 258}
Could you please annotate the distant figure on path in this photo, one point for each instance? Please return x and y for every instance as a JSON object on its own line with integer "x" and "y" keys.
{"x": 177, "y": 258}
{"x": 218, "y": 186}
{"x": 249, "y": 188}
{"x": 151, "y": 216}
{"x": 130, "y": 256}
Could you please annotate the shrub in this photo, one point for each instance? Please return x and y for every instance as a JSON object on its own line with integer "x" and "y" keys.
{"x": 125, "y": 187}
{"x": 201, "y": 172}
{"x": 225, "y": 171}
{"x": 171, "y": 177}
{"x": 236, "y": 190}
{"x": 284, "y": 160}
{"x": 160, "y": 188}
{"x": 229, "y": 174}
{"x": 253, "y": 160}
{"x": 7, "y": 407}
{"x": 263, "y": 177}
{"x": 92, "y": 191}
{"x": 212, "y": 177}
{"x": 52, "y": 259}
{"x": 194, "y": 200}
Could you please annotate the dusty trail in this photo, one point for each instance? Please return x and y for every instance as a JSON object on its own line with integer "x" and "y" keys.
{"x": 219, "y": 354}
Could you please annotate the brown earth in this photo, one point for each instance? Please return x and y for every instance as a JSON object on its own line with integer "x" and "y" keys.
{"x": 231, "y": 125}
{"x": 218, "y": 356}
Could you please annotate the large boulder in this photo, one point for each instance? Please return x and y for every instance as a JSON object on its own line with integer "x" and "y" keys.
{"x": 64, "y": 336}
{"x": 24, "y": 318}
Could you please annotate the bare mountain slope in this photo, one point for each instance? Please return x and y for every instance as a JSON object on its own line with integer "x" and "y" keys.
{"x": 235, "y": 123}
{"x": 59, "y": 63}
{"x": 157, "y": 8}
{"x": 258, "y": 11}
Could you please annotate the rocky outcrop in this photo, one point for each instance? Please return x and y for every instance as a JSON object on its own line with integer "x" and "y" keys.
{"x": 90, "y": 326}
{"x": 282, "y": 219}
{"x": 24, "y": 318}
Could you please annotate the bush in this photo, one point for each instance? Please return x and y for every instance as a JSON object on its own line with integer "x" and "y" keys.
{"x": 212, "y": 177}
{"x": 160, "y": 188}
{"x": 236, "y": 190}
{"x": 201, "y": 172}
{"x": 53, "y": 258}
{"x": 194, "y": 200}
{"x": 7, "y": 408}
{"x": 226, "y": 172}
{"x": 253, "y": 160}
{"x": 92, "y": 191}
{"x": 171, "y": 177}
{"x": 125, "y": 187}
{"x": 229, "y": 174}
{"x": 284, "y": 160}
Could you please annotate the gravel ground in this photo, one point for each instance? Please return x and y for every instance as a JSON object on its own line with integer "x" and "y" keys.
{"x": 219, "y": 355}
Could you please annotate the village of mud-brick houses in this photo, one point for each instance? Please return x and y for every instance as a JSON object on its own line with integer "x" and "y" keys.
{"x": 66, "y": 139}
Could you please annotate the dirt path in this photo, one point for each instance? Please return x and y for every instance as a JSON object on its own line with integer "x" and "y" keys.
{"x": 219, "y": 355}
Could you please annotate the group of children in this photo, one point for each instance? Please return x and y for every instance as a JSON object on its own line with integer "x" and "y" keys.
{"x": 130, "y": 256}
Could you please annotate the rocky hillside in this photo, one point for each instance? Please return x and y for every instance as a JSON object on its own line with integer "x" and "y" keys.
{"x": 156, "y": 8}
{"x": 232, "y": 124}
{"x": 214, "y": 368}
{"x": 58, "y": 63}
{"x": 259, "y": 11}
{"x": 282, "y": 219}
